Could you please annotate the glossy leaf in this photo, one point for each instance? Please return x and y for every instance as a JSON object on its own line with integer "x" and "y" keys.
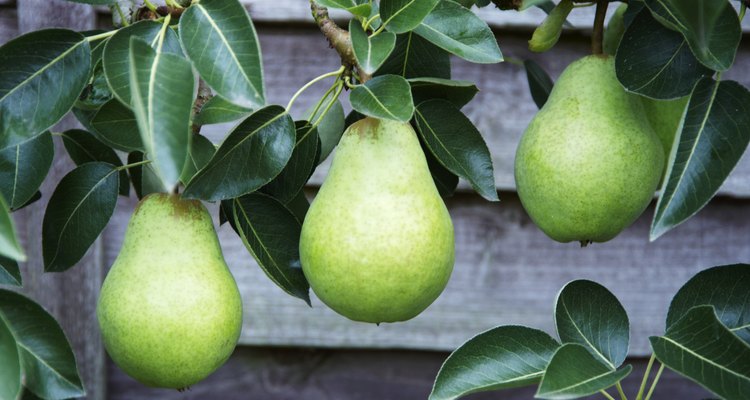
{"x": 96, "y": 92}
{"x": 219, "y": 38}
{"x": 711, "y": 28}
{"x": 459, "y": 31}
{"x": 201, "y": 151}
{"x": 41, "y": 75}
{"x": 457, "y": 144}
{"x": 726, "y": 288}
{"x": 459, "y": 93}
{"x": 83, "y": 147}
{"x": 540, "y": 84}
{"x": 400, "y": 16}
{"x": 299, "y": 206}
{"x": 10, "y": 274}
{"x": 116, "y": 126}
{"x": 162, "y": 88}
{"x": 500, "y": 358}
{"x": 143, "y": 177}
{"x": 78, "y": 211}
{"x": 271, "y": 233}
{"x": 385, "y": 96}
{"x": 446, "y": 181}
{"x": 573, "y": 372}
{"x": 116, "y": 56}
{"x": 655, "y": 61}
{"x": 415, "y": 57}
{"x": 715, "y": 134}
{"x": 330, "y": 128}
{"x": 590, "y": 315}
{"x": 218, "y": 110}
{"x": 359, "y": 8}
{"x": 10, "y": 373}
{"x": 701, "y": 348}
{"x": 23, "y": 168}
{"x": 289, "y": 183}
{"x": 9, "y": 245}
{"x": 371, "y": 52}
{"x": 34, "y": 198}
{"x": 250, "y": 157}
{"x": 46, "y": 357}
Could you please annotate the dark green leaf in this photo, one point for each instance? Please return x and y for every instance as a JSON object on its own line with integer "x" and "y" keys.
{"x": 459, "y": 31}
{"x": 23, "y": 168}
{"x": 83, "y": 147}
{"x": 46, "y": 357}
{"x": 500, "y": 358}
{"x": 715, "y": 134}
{"x": 711, "y": 28}
{"x": 590, "y": 315}
{"x": 655, "y": 61}
{"x": 457, "y": 144}
{"x": 9, "y": 244}
{"x": 162, "y": 87}
{"x": 371, "y": 52}
{"x": 415, "y": 57}
{"x": 359, "y": 8}
{"x": 219, "y": 110}
{"x": 84, "y": 117}
{"x": 250, "y": 157}
{"x": 299, "y": 206}
{"x": 143, "y": 177}
{"x": 445, "y": 181}
{"x": 400, "y": 16}
{"x": 10, "y": 274}
{"x": 97, "y": 92}
{"x": 540, "y": 84}
{"x": 116, "y": 57}
{"x": 10, "y": 373}
{"x": 78, "y": 211}
{"x": 573, "y": 372}
{"x": 41, "y": 75}
{"x": 288, "y": 184}
{"x": 351, "y": 118}
{"x": 330, "y": 128}
{"x": 726, "y": 288}
{"x": 34, "y": 198}
{"x": 459, "y": 93}
{"x": 116, "y": 126}
{"x": 701, "y": 348}
{"x": 220, "y": 40}
{"x": 385, "y": 96}
{"x": 271, "y": 233}
{"x": 201, "y": 151}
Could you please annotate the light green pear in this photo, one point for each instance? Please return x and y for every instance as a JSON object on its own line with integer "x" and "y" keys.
{"x": 377, "y": 244}
{"x": 589, "y": 162}
{"x": 169, "y": 310}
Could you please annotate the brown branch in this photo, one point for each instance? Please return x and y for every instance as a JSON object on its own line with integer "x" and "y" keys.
{"x": 338, "y": 38}
{"x": 204, "y": 95}
{"x": 598, "y": 36}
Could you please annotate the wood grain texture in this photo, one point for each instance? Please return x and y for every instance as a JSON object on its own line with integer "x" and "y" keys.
{"x": 284, "y": 373}
{"x": 8, "y": 24}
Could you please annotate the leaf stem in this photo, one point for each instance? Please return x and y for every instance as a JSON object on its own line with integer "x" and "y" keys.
{"x": 607, "y": 395}
{"x": 149, "y": 5}
{"x": 325, "y": 97}
{"x": 377, "y": 31}
{"x": 650, "y": 364}
{"x": 163, "y": 32}
{"x": 123, "y": 21}
{"x": 653, "y": 384}
{"x": 312, "y": 82}
{"x": 621, "y": 392}
{"x": 94, "y": 38}
{"x": 135, "y": 164}
{"x": 336, "y": 94}
{"x": 370, "y": 21}
{"x": 598, "y": 35}
{"x": 743, "y": 9}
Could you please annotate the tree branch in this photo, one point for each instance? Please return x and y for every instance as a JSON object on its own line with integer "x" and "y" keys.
{"x": 338, "y": 38}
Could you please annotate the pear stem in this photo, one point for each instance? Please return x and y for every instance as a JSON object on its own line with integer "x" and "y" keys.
{"x": 598, "y": 36}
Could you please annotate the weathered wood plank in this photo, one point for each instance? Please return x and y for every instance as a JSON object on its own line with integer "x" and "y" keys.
{"x": 270, "y": 374}
{"x": 8, "y": 24}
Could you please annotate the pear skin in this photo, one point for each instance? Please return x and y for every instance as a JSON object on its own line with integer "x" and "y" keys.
{"x": 169, "y": 310}
{"x": 377, "y": 244}
{"x": 589, "y": 162}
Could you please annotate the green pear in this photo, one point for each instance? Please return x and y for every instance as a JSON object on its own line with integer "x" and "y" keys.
{"x": 589, "y": 162}
{"x": 665, "y": 117}
{"x": 377, "y": 244}
{"x": 169, "y": 310}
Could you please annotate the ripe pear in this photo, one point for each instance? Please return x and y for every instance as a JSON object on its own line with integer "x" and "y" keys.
{"x": 377, "y": 244}
{"x": 169, "y": 310}
{"x": 589, "y": 162}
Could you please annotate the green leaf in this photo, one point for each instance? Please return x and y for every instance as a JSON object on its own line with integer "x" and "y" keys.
{"x": 588, "y": 314}
{"x": 219, "y": 38}
{"x": 360, "y": 8}
{"x": 41, "y": 75}
{"x": 615, "y": 30}
{"x": 573, "y": 372}
{"x": 10, "y": 274}
{"x": 540, "y": 84}
{"x": 251, "y": 156}
{"x": 34, "y": 198}
{"x": 457, "y": 144}
{"x": 299, "y": 206}
{"x": 83, "y": 147}
{"x": 271, "y": 233}
{"x": 23, "y": 168}
{"x": 10, "y": 373}
{"x": 415, "y": 57}
{"x": 500, "y": 358}
{"x": 445, "y": 180}
{"x": 218, "y": 110}
{"x": 9, "y": 245}
{"x": 116, "y": 126}
{"x": 726, "y": 288}
{"x": 699, "y": 347}
{"x": 330, "y": 128}
{"x": 655, "y": 61}
{"x": 371, "y": 52}
{"x": 711, "y": 28}
{"x": 715, "y": 134}
{"x": 459, "y": 31}
{"x": 97, "y": 92}
{"x": 547, "y": 34}
{"x": 116, "y": 56}
{"x": 143, "y": 177}
{"x": 162, "y": 86}
{"x": 289, "y": 183}
{"x": 385, "y": 96}
{"x": 78, "y": 211}
{"x": 201, "y": 151}
{"x": 459, "y": 93}
{"x": 400, "y": 16}
{"x": 47, "y": 360}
